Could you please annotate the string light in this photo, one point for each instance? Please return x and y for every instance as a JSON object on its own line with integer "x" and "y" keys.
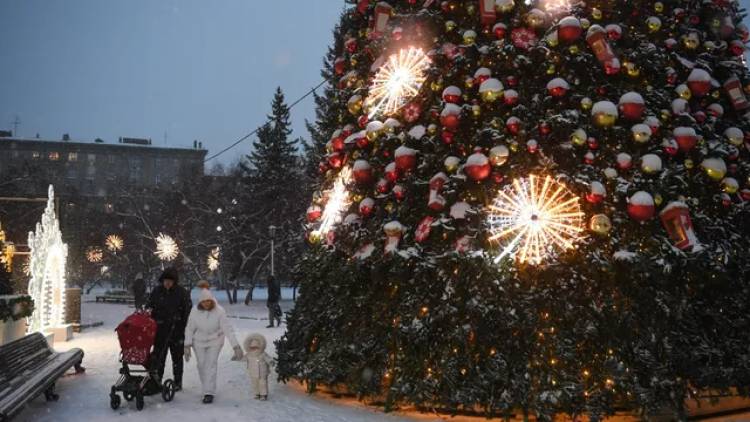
{"x": 114, "y": 243}
{"x": 166, "y": 247}
{"x": 532, "y": 220}
{"x": 213, "y": 259}
{"x": 338, "y": 201}
{"x": 397, "y": 81}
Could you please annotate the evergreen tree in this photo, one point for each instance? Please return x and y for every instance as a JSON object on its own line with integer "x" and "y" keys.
{"x": 273, "y": 179}
{"x": 636, "y": 110}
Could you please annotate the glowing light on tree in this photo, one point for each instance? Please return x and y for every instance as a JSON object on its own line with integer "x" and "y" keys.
{"x": 47, "y": 269}
{"x": 114, "y": 243}
{"x": 213, "y": 259}
{"x": 337, "y": 201}
{"x": 166, "y": 247}
{"x": 94, "y": 255}
{"x": 534, "y": 219}
{"x": 397, "y": 81}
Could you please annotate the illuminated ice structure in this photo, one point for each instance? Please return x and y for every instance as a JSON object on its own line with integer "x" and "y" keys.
{"x": 47, "y": 269}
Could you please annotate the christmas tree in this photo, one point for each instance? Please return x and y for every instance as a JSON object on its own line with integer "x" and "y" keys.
{"x": 530, "y": 207}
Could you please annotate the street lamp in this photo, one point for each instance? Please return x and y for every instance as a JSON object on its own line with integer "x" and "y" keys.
{"x": 272, "y": 232}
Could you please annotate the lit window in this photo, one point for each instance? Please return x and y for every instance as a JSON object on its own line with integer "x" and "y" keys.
{"x": 35, "y": 155}
{"x": 54, "y": 156}
{"x": 72, "y": 156}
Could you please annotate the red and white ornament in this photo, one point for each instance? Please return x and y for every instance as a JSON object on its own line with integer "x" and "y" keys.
{"x": 406, "y": 158}
{"x": 450, "y": 117}
{"x": 624, "y": 161}
{"x": 632, "y": 105}
{"x": 597, "y": 193}
{"x": 393, "y": 231}
{"x": 699, "y": 82}
{"x": 436, "y": 201}
{"x": 366, "y": 206}
{"x": 569, "y": 29}
{"x": 391, "y": 172}
{"x": 423, "y": 230}
{"x": 481, "y": 75}
{"x": 477, "y": 166}
{"x": 641, "y": 206}
{"x": 313, "y": 213}
{"x": 558, "y": 87}
{"x": 399, "y": 192}
{"x": 513, "y": 124}
{"x": 524, "y": 38}
{"x": 686, "y": 137}
{"x": 596, "y": 37}
{"x": 452, "y": 94}
{"x": 362, "y": 172}
{"x": 676, "y": 220}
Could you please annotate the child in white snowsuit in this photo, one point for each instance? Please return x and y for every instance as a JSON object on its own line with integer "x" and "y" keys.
{"x": 258, "y": 364}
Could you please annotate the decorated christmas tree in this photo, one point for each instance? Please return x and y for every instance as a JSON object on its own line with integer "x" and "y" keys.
{"x": 530, "y": 207}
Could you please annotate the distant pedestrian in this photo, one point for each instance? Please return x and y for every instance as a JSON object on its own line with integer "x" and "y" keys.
{"x": 170, "y": 307}
{"x": 258, "y": 364}
{"x": 139, "y": 291}
{"x": 274, "y": 296}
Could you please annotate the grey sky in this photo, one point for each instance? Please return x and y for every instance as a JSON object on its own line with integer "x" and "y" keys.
{"x": 194, "y": 69}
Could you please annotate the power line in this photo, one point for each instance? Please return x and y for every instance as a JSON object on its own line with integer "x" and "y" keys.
{"x": 256, "y": 130}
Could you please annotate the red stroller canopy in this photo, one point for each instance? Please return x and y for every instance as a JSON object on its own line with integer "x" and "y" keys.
{"x": 136, "y": 335}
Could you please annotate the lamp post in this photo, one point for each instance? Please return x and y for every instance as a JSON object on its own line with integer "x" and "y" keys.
{"x": 272, "y": 232}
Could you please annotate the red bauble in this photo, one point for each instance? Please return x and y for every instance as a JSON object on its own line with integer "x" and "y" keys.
{"x": 452, "y": 94}
{"x": 339, "y": 66}
{"x": 337, "y": 143}
{"x": 391, "y": 172}
{"x": 412, "y": 111}
{"x": 513, "y": 124}
{"x": 450, "y": 117}
{"x": 686, "y": 138}
{"x": 351, "y": 45}
{"x": 313, "y": 213}
{"x": 366, "y": 206}
{"x": 500, "y": 30}
{"x": 544, "y": 129}
{"x": 632, "y": 106}
{"x": 447, "y": 137}
{"x": 477, "y": 167}
{"x": 335, "y": 160}
{"x": 641, "y": 206}
{"x": 597, "y": 193}
{"x": 699, "y": 82}
{"x": 569, "y": 29}
{"x": 362, "y": 121}
{"x": 406, "y": 158}
{"x": 383, "y": 186}
{"x": 362, "y": 172}
{"x": 399, "y": 192}
{"x": 363, "y": 142}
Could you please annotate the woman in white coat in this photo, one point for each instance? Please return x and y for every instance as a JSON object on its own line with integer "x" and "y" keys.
{"x": 206, "y": 329}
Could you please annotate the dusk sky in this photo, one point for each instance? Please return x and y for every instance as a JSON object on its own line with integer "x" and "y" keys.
{"x": 188, "y": 68}
{"x": 193, "y": 69}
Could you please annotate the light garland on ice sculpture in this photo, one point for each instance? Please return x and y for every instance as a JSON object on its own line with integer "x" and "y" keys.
{"x": 114, "y": 243}
{"x": 166, "y": 247}
{"x": 48, "y": 255}
{"x": 337, "y": 201}
{"x": 397, "y": 81}
{"x": 532, "y": 219}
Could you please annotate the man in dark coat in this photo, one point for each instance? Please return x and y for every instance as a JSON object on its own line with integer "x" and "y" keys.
{"x": 170, "y": 307}
{"x": 274, "y": 296}
{"x": 139, "y": 291}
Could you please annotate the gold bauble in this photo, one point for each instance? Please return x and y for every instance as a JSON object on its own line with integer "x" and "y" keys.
{"x": 389, "y": 207}
{"x": 658, "y": 7}
{"x": 586, "y": 103}
{"x": 579, "y": 137}
{"x": 730, "y": 185}
{"x": 551, "y": 69}
{"x": 654, "y": 24}
{"x": 471, "y": 9}
{"x": 470, "y": 37}
{"x": 632, "y": 69}
{"x": 684, "y": 92}
{"x": 665, "y": 115}
{"x": 514, "y": 146}
{"x": 355, "y": 104}
{"x": 574, "y": 50}
{"x": 552, "y": 41}
{"x": 476, "y": 111}
{"x": 432, "y": 129}
{"x": 469, "y": 82}
{"x": 491, "y": 95}
{"x": 353, "y": 61}
{"x": 496, "y": 122}
{"x": 314, "y": 237}
{"x": 689, "y": 164}
{"x": 690, "y": 42}
{"x": 451, "y": 164}
{"x": 596, "y": 13}
{"x": 450, "y": 26}
{"x": 356, "y": 197}
{"x": 715, "y": 168}
{"x": 716, "y": 94}
{"x": 604, "y": 119}
{"x": 600, "y": 224}
{"x": 504, "y": 6}
{"x": 436, "y": 85}
{"x": 658, "y": 199}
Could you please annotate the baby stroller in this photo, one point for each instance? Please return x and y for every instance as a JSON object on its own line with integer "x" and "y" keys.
{"x": 136, "y": 336}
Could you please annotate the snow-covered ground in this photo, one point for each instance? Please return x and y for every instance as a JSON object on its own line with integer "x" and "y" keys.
{"x": 86, "y": 397}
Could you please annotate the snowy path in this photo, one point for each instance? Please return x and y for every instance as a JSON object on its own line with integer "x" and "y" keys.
{"x": 85, "y": 398}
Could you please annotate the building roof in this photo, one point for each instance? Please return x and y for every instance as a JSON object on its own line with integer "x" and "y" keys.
{"x": 94, "y": 144}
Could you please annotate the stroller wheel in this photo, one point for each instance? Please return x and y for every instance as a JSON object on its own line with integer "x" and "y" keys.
{"x": 114, "y": 401}
{"x": 139, "y": 400}
{"x": 167, "y": 390}
{"x": 128, "y": 396}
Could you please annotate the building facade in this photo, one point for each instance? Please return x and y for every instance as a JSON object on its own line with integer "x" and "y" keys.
{"x": 95, "y": 168}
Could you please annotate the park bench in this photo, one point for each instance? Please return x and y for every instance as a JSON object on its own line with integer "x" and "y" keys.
{"x": 115, "y": 299}
{"x": 30, "y": 367}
